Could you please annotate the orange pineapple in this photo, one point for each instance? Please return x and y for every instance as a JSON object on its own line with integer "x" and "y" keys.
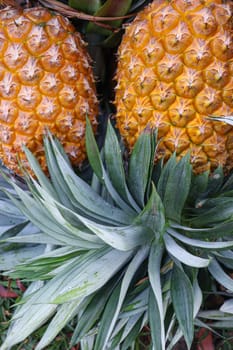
{"x": 175, "y": 69}
{"x": 46, "y": 83}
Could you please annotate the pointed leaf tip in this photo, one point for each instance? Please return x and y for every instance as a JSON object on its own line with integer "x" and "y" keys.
{"x": 93, "y": 151}
{"x": 176, "y": 181}
{"x": 140, "y": 166}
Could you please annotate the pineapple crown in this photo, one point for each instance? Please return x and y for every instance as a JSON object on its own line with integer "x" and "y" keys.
{"x": 123, "y": 251}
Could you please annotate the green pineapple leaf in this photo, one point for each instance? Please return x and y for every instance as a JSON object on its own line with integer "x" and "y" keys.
{"x": 13, "y": 256}
{"x": 215, "y": 182}
{"x": 200, "y": 243}
{"x": 121, "y": 238}
{"x": 198, "y": 187}
{"x": 220, "y": 275}
{"x": 227, "y": 306}
{"x": 156, "y": 309}
{"x": 115, "y": 166}
{"x": 153, "y": 214}
{"x": 92, "y": 310}
{"x": 182, "y": 255}
{"x": 182, "y": 298}
{"x": 99, "y": 170}
{"x": 64, "y": 314}
{"x": 227, "y": 185}
{"x": 109, "y": 318}
{"x": 41, "y": 177}
{"x": 132, "y": 334}
{"x": 166, "y": 171}
{"x": 156, "y": 323}
{"x": 99, "y": 266}
{"x": 176, "y": 191}
{"x": 226, "y": 258}
{"x": 140, "y": 163}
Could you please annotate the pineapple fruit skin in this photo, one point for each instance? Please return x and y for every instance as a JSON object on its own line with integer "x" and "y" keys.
{"x": 46, "y": 83}
{"x": 175, "y": 69}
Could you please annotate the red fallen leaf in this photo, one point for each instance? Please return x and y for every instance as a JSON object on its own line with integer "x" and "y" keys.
{"x": 76, "y": 347}
{"x": 20, "y": 285}
{"x": 204, "y": 340}
{"x": 7, "y": 293}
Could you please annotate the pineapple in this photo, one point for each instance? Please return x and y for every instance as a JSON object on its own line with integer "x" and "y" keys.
{"x": 46, "y": 83}
{"x": 174, "y": 71}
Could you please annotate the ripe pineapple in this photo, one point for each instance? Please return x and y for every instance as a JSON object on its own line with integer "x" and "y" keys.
{"x": 174, "y": 70}
{"x": 46, "y": 83}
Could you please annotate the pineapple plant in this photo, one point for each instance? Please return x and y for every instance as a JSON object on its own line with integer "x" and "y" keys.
{"x": 128, "y": 248}
{"x": 47, "y": 83}
{"x": 175, "y": 71}
{"x": 124, "y": 251}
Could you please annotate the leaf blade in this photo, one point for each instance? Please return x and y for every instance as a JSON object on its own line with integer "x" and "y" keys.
{"x": 156, "y": 311}
{"x": 140, "y": 166}
{"x": 220, "y": 275}
{"x": 183, "y": 255}
{"x": 114, "y": 164}
{"x": 177, "y": 189}
{"x": 182, "y": 298}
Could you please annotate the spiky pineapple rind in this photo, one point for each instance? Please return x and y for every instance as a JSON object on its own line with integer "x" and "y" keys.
{"x": 47, "y": 83}
{"x": 174, "y": 70}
